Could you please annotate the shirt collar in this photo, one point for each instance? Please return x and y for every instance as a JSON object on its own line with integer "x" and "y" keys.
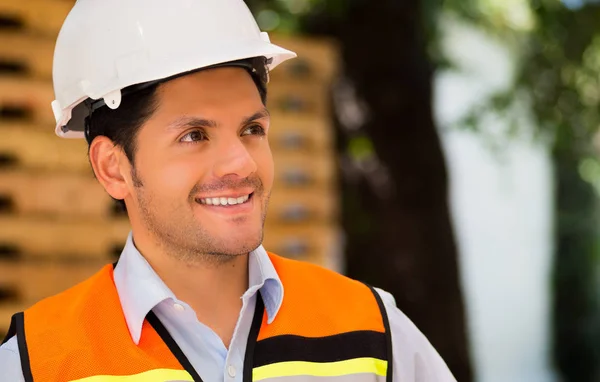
{"x": 263, "y": 276}
{"x": 140, "y": 289}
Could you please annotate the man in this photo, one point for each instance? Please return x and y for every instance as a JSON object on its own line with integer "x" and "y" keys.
{"x": 171, "y": 99}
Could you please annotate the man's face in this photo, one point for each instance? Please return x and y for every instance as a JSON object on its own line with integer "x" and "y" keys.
{"x": 205, "y": 145}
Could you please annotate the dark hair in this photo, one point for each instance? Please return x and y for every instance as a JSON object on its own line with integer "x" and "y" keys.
{"x": 122, "y": 124}
{"x": 139, "y": 102}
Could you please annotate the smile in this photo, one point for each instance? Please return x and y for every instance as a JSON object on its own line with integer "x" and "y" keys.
{"x": 224, "y": 201}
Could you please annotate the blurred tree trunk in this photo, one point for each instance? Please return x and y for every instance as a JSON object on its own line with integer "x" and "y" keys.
{"x": 576, "y": 329}
{"x": 402, "y": 242}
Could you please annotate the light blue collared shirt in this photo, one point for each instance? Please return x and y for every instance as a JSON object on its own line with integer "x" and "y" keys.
{"x": 141, "y": 290}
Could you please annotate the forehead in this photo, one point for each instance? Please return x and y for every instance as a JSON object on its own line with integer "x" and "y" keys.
{"x": 212, "y": 90}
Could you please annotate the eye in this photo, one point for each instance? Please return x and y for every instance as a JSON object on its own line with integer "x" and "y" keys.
{"x": 194, "y": 136}
{"x": 254, "y": 130}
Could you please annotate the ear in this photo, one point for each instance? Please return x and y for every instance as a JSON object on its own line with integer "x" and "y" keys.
{"x": 110, "y": 165}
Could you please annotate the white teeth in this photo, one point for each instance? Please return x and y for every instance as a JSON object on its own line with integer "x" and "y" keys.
{"x": 225, "y": 201}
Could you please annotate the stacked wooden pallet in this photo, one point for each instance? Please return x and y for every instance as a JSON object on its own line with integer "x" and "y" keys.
{"x": 58, "y": 226}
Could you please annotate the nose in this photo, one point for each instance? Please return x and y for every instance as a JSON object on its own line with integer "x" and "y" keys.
{"x": 234, "y": 159}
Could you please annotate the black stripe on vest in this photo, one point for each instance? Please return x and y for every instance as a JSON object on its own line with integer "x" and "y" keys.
{"x": 259, "y": 310}
{"x": 338, "y": 347}
{"x": 17, "y": 327}
{"x": 388, "y": 337}
{"x": 172, "y": 345}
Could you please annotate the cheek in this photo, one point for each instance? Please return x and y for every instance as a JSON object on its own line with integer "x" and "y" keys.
{"x": 171, "y": 177}
{"x": 265, "y": 166}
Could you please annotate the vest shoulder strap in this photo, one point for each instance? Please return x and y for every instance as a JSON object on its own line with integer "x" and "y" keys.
{"x": 328, "y": 302}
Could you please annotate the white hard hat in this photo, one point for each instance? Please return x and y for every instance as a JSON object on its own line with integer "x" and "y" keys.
{"x": 107, "y": 45}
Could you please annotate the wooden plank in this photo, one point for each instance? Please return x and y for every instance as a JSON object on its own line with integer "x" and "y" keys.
{"x": 297, "y": 171}
{"x": 313, "y": 243}
{"x": 318, "y": 59}
{"x": 297, "y": 140}
{"x": 74, "y": 195}
{"x": 6, "y": 312}
{"x": 54, "y": 194}
{"x": 29, "y": 146}
{"x": 302, "y": 206}
{"x": 299, "y": 98}
{"x": 302, "y": 133}
{"x": 33, "y": 98}
{"x": 61, "y": 238}
{"x": 51, "y": 239}
{"x": 31, "y": 282}
{"x": 43, "y": 16}
{"x": 43, "y": 151}
{"x": 28, "y": 52}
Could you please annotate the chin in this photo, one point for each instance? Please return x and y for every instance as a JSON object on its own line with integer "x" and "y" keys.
{"x": 241, "y": 245}
{"x": 237, "y": 250}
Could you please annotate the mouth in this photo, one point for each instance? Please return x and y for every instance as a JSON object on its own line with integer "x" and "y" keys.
{"x": 225, "y": 201}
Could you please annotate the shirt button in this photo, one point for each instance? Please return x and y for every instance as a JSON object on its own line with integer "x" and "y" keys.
{"x": 231, "y": 371}
{"x": 178, "y": 307}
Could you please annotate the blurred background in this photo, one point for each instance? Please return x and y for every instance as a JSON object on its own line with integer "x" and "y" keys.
{"x": 443, "y": 150}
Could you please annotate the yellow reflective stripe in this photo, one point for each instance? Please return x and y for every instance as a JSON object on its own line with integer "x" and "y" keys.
{"x": 147, "y": 376}
{"x": 321, "y": 369}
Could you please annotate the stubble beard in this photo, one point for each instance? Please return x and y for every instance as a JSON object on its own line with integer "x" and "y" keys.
{"x": 185, "y": 239}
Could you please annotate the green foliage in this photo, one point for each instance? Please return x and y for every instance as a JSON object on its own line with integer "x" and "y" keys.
{"x": 360, "y": 148}
{"x": 285, "y": 16}
{"x": 559, "y": 62}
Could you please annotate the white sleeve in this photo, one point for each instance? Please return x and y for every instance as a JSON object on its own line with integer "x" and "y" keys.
{"x": 10, "y": 362}
{"x": 415, "y": 360}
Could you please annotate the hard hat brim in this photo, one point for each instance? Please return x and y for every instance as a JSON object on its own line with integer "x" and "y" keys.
{"x": 71, "y": 119}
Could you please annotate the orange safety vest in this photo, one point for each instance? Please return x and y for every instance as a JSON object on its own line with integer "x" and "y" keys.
{"x": 328, "y": 326}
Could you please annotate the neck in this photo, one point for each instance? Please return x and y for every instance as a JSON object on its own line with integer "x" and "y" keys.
{"x": 212, "y": 288}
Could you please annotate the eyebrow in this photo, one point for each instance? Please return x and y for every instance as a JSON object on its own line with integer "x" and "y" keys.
{"x": 188, "y": 122}
{"x": 264, "y": 113}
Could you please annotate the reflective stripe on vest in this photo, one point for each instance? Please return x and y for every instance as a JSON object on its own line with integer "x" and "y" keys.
{"x": 328, "y": 328}
{"x": 285, "y": 370}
